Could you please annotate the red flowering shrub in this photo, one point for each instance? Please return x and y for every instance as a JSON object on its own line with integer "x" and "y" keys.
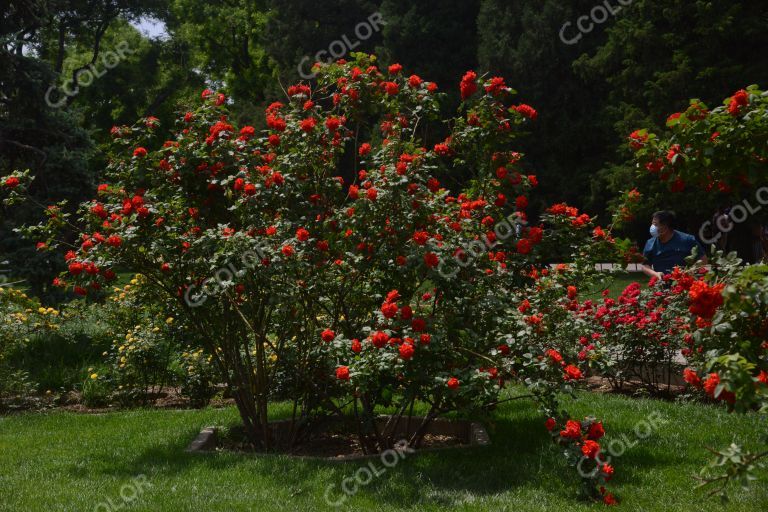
{"x": 439, "y": 267}
{"x": 545, "y": 350}
{"x": 636, "y": 337}
{"x": 346, "y": 288}
{"x": 707, "y": 155}
{"x": 707, "y": 152}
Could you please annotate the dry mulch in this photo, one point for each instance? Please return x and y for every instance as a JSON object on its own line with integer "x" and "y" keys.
{"x": 71, "y": 401}
{"x": 330, "y": 445}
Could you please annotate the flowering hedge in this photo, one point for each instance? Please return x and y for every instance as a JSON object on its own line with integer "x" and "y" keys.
{"x": 639, "y": 334}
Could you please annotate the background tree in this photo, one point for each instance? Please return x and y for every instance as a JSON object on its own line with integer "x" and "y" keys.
{"x": 33, "y": 135}
{"x": 226, "y": 45}
{"x": 522, "y": 40}
{"x": 434, "y": 39}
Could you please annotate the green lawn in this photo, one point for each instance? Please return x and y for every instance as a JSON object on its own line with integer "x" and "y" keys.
{"x": 616, "y": 284}
{"x": 70, "y": 462}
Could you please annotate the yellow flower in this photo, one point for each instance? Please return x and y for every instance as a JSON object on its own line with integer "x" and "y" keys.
{"x": 94, "y": 376}
{"x": 169, "y": 320}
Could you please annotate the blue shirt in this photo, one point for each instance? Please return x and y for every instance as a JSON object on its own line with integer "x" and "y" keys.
{"x": 665, "y": 257}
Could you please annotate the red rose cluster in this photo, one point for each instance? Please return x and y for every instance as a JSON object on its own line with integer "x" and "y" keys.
{"x": 581, "y": 439}
{"x": 705, "y": 299}
{"x": 11, "y": 182}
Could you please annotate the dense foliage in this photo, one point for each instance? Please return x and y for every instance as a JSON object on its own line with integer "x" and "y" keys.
{"x": 626, "y": 71}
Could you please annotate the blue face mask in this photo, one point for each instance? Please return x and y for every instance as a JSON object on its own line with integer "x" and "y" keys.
{"x": 654, "y": 231}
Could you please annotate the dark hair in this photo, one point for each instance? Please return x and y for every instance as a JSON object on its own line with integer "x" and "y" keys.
{"x": 666, "y": 218}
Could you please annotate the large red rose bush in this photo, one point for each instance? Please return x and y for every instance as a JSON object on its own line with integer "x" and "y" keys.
{"x": 705, "y": 151}
{"x": 325, "y": 259}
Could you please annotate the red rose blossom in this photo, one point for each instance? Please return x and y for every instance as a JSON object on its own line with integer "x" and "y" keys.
{"x": 572, "y": 430}
{"x": 590, "y": 449}
{"x": 468, "y": 85}
{"x": 342, "y": 373}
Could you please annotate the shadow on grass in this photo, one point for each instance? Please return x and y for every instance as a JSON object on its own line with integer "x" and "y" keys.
{"x": 519, "y": 443}
{"x": 521, "y": 455}
{"x": 514, "y": 458}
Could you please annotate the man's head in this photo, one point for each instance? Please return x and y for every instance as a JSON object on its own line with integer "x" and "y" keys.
{"x": 663, "y": 223}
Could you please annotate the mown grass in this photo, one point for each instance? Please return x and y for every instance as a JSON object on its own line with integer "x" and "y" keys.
{"x": 69, "y": 462}
{"x": 615, "y": 284}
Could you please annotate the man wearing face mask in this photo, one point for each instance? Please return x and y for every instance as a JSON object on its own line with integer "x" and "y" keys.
{"x": 668, "y": 247}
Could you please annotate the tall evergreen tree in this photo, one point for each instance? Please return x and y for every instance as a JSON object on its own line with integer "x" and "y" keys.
{"x": 437, "y": 39}
{"x": 522, "y": 42}
{"x": 298, "y": 31}
{"x": 34, "y": 136}
{"x": 43, "y": 44}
